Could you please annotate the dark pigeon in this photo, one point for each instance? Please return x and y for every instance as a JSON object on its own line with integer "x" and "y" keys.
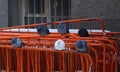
{"x": 83, "y": 32}
{"x": 16, "y": 42}
{"x": 43, "y": 30}
{"x": 81, "y": 46}
{"x": 62, "y": 28}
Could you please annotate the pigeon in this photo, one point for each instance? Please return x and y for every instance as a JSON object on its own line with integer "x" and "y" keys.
{"x": 81, "y": 46}
{"x": 16, "y": 42}
{"x": 43, "y": 30}
{"x": 59, "y": 45}
{"x": 83, "y": 32}
{"x": 62, "y": 28}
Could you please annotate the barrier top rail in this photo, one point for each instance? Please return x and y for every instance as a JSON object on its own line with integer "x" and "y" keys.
{"x": 58, "y": 22}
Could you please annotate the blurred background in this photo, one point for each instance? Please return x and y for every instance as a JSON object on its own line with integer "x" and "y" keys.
{"x": 23, "y": 12}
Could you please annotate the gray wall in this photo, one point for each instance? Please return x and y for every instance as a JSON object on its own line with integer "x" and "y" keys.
{"x": 13, "y": 12}
{"x": 109, "y": 10}
{"x": 9, "y": 13}
{"x": 3, "y": 13}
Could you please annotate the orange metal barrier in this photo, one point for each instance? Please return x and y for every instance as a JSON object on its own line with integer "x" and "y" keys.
{"x": 42, "y": 60}
{"x": 26, "y": 28}
{"x": 34, "y": 26}
{"x": 98, "y": 46}
{"x": 38, "y": 53}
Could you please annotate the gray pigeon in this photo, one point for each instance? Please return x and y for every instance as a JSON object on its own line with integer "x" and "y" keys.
{"x": 83, "y": 32}
{"x": 62, "y": 28}
{"x": 43, "y": 30}
{"x": 16, "y": 42}
{"x": 81, "y": 46}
